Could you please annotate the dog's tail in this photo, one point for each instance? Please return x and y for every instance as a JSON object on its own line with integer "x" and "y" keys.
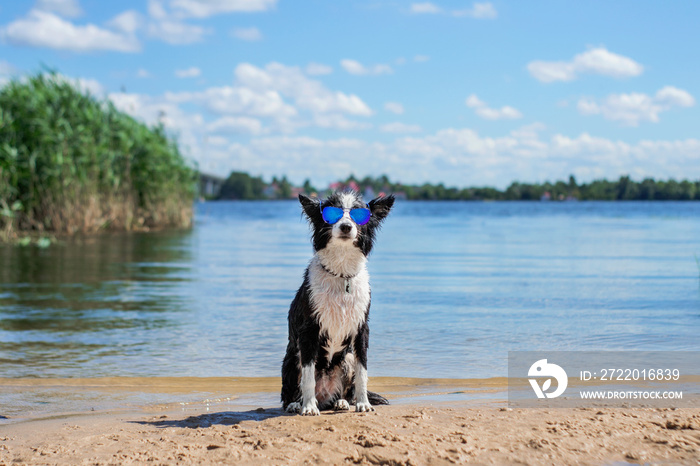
{"x": 376, "y": 399}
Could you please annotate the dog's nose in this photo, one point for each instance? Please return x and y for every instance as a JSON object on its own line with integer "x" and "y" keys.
{"x": 345, "y": 228}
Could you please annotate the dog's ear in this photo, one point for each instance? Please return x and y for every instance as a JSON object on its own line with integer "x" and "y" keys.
{"x": 381, "y": 206}
{"x": 311, "y": 207}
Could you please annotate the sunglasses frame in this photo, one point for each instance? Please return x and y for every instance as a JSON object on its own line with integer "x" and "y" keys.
{"x": 347, "y": 210}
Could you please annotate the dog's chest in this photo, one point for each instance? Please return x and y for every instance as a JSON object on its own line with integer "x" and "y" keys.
{"x": 340, "y": 305}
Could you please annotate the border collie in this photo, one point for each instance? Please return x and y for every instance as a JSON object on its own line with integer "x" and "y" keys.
{"x": 326, "y": 361}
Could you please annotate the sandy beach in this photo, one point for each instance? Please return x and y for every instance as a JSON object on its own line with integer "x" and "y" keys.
{"x": 403, "y": 434}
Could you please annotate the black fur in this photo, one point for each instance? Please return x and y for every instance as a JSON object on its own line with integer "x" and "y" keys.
{"x": 307, "y": 341}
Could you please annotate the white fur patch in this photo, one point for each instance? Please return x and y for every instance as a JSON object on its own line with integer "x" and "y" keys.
{"x": 341, "y": 257}
{"x": 339, "y": 312}
{"x": 362, "y": 403}
{"x": 341, "y": 405}
{"x": 347, "y": 200}
{"x": 294, "y": 407}
{"x": 309, "y": 406}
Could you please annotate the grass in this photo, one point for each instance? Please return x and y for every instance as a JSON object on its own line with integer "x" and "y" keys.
{"x": 71, "y": 163}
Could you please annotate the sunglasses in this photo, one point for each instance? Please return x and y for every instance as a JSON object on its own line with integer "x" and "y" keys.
{"x": 331, "y": 215}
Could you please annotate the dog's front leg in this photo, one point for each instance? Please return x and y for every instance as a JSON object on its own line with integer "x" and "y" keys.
{"x": 360, "y": 348}
{"x": 309, "y": 405}
{"x": 308, "y": 349}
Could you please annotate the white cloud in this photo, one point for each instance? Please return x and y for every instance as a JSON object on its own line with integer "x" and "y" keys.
{"x": 128, "y": 22}
{"x": 251, "y": 34}
{"x": 216, "y": 141}
{"x": 228, "y": 100}
{"x": 44, "y": 29}
{"x": 398, "y": 127}
{"x": 473, "y": 101}
{"x": 425, "y": 7}
{"x": 156, "y": 10}
{"x": 421, "y": 58}
{"x": 7, "y": 70}
{"x": 548, "y": 72}
{"x": 455, "y": 156}
{"x": 394, "y": 107}
{"x": 317, "y": 69}
{"x": 191, "y": 72}
{"x": 65, "y": 8}
{"x": 93, "y": 86}
{"x": 170, "y": 28}
{"x": 152, "y": 110}
{"x": 478, "y": 11}
{"x": 337, "y": 121}
{"x": 275, "y": 99}
{"x": 307, "y": 94}
{"x": 462, "y": 157}
{"x": 176, "y": 32}
{"x": 595, "y": 61}
{"x": 236, "y": 125}
{"x": 503, "y": 113}
{"x": 484, "y": 10}
{"x": 631, "y": 109}
{"x": 357, "y": 68}
{"x": 143, "y": 73}
{"x": 282, "y": 96}
{"x": 670, "y": 95}
{"x": 481, "y": 109}
{"x": 206, "y": 8}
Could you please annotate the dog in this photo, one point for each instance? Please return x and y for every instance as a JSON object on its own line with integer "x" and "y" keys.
{"x": 325, "y": 365}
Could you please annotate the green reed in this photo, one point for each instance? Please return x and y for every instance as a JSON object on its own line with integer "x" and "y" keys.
{"x": 71, "y": 163}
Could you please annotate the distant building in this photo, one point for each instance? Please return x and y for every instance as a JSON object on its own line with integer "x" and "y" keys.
{"x": 340, "y": 186}
{"x": 209, "y": 185}
{"x": 546, "y": 196}
{"x": 270, "y": 191}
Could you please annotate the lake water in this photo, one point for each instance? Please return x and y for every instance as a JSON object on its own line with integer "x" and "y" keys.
{"x": 455, "y": 287}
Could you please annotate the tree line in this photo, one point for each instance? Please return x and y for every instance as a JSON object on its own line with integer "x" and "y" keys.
{"x": 240, "y": 185}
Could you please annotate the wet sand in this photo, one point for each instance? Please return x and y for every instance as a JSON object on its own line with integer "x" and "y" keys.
{"x": 431, "y": 421}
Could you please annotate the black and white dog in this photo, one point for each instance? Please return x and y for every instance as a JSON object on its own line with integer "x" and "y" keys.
{"x": 326, "y": 361}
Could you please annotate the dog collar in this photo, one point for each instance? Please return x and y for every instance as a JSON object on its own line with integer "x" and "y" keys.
{"x": 340, "y": 275}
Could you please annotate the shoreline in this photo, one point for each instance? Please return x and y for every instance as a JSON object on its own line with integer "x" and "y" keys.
{"x": 29, "y": 399}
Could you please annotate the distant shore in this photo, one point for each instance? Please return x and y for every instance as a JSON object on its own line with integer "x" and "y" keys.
{"x": 242, "y": 186}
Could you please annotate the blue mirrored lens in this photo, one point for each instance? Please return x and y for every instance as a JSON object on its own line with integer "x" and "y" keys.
{"x": 332, "y": 214}
{"x": 360, "y": 216}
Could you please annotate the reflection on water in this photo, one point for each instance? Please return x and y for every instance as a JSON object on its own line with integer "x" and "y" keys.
{"x": 455, "y": 287}
{"x": 79, "y": 307}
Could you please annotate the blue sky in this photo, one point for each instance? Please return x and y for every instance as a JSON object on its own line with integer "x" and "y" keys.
{"x": 465, "y": 93}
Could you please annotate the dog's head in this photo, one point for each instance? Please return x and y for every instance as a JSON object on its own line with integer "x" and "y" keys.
{"x": 343, "y": 224}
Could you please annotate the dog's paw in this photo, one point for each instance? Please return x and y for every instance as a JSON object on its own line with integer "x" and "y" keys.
{"x": 341, "y": 405}
{"x": 310, "y": 409}
{"x": 363, "y": 407}
{"x": 294, "y": 407}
